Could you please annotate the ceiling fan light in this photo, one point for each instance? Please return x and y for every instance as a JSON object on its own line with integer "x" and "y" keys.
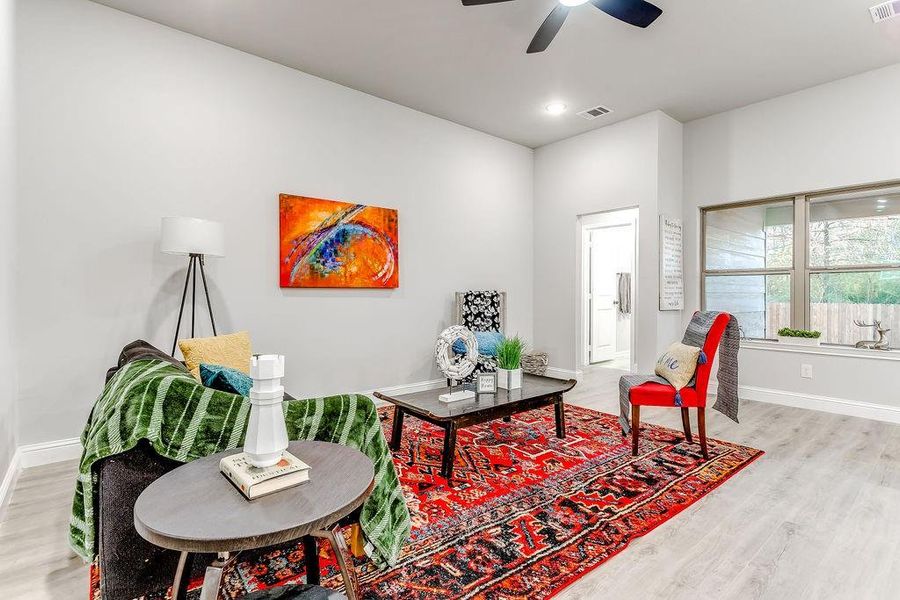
{"x": 572, "y": 2}
{"x": 556, "y": 108}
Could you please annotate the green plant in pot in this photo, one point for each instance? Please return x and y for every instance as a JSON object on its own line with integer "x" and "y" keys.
{"x": 803, "y": 337}
{"x": 509, "y": 363}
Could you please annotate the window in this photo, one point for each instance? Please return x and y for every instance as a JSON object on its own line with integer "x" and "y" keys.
{"x": 748, "y": 261}
{"x": 854, "y": 263}
{"x": 817, "y": 261}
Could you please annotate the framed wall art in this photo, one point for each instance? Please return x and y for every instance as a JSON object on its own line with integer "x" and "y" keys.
{"x": 331, "y": 244}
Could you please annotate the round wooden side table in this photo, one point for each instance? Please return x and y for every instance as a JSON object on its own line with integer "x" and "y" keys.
{"x": 195, "y": 509}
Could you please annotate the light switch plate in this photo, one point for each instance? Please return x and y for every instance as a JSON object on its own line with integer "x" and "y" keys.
{"x": 806, "y": 371}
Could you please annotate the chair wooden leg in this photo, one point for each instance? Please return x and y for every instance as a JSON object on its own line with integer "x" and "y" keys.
{"x": 635, "y": 428}
{"x": 701, "y": 426}
{"x": 344, "y": 559}
{"x": 686, "y": 422}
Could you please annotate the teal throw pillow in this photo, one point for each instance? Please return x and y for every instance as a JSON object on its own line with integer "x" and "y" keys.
{"x": 487, "y": 343}
{"x": 225, "y": 379}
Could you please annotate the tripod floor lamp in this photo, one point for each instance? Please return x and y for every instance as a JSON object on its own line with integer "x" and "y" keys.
{"x": 196, "y": 238}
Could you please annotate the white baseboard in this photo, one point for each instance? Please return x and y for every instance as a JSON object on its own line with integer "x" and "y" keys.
{"x": 408, "y": 388}
{"x": 838, "y": 406}
{"x": 35, "y": 455}
{"x": 9, "y": 483}
{"x": 45, "y": 453}
{"x": 564, "y": 373}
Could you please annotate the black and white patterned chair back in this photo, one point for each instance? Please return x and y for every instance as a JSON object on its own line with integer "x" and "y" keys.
{"x": 481, "y": 310}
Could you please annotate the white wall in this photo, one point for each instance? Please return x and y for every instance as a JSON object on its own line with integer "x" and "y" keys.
{"x": 670, "y": 190}
{"x": 635, "y": 163}
{"x": 123, "y": 121}
{"x": 839, "y": 134}
{"x": 7, "y": 236}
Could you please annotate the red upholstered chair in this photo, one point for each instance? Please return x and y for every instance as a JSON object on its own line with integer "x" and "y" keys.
{"x": 658, "y": 394}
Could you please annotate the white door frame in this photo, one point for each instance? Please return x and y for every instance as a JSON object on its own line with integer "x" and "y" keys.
{"x": 620, "y": 216}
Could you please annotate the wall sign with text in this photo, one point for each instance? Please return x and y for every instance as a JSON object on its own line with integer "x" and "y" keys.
{"x": 671, "y": 264}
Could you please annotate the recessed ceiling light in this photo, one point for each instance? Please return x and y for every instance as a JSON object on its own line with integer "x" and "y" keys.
{"x": 556, "y": 108}
{"x": 572, "y": 2}
{"x": 882, "y": 201}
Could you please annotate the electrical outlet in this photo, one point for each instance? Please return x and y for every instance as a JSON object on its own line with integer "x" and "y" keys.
{"x": 806, "y": 371}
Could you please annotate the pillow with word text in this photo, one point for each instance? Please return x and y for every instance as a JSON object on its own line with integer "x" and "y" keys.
{"x": 678, "y": 364}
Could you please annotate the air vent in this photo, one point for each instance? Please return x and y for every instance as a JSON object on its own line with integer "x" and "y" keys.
{"x": 598, "y": 111}
{"x": 885, "y": 11}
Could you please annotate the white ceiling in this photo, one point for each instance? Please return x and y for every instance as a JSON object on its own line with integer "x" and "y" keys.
{"x": 468, "y": 64}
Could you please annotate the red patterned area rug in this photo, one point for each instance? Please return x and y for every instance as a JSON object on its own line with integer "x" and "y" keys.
{"x": 528, "y": 513}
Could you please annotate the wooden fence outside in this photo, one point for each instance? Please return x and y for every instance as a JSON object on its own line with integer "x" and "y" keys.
{"x": 835, "y": 321}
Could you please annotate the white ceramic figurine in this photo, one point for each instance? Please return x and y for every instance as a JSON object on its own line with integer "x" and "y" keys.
{"x": 266, "y": 438}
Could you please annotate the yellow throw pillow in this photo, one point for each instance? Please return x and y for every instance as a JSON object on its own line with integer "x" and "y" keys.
{"x": 678, "y": 364}
{"x": 232, "y": 350}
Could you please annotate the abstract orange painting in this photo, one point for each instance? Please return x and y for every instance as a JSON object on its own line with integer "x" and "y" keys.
{"x": 329, "y": 244}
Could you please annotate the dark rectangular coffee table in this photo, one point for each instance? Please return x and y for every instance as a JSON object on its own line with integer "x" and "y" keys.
{"x": 536, "y": 392}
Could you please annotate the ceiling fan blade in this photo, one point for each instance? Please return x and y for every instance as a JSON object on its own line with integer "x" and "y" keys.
{"x": 477, "y": 2}
{"x": 634, "y": 12}
{"x": 548, "y": 29}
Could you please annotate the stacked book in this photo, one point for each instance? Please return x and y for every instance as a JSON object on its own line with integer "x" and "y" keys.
{"x": 255, "y": 482}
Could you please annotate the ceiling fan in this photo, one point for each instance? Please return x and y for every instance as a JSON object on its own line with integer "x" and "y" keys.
{"x": 634, "y": 12}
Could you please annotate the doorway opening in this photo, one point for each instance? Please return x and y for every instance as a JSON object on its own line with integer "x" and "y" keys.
{"x": 608, "y": 259}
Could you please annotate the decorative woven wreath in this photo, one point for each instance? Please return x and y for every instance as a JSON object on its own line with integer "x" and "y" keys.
{"x": 452, "y": 365}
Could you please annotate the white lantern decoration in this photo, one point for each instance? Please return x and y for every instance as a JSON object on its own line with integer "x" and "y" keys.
{"x": 454, "y": 367}
{"x": 266, "y": 438}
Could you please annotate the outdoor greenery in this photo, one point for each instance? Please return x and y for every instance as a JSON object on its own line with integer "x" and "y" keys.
{"x": 877, "y": 287}
{"x": 798, "y": 333}
{"x": 838, "y": 242}
{"x": 509, "y": 352}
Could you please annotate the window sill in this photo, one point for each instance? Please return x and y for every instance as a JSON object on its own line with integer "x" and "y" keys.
{"x": 827, "y": 350}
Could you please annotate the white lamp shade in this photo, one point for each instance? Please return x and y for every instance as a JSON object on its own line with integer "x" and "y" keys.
{"x": 187, "y": 235}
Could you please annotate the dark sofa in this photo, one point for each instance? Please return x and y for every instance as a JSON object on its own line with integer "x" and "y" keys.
{"x": 130, "y": 566}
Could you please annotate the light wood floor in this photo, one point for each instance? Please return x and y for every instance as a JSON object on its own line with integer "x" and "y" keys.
{"x": 817, "y": 517}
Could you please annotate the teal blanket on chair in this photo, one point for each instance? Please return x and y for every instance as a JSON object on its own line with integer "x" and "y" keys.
{"x": 153, "y": 400}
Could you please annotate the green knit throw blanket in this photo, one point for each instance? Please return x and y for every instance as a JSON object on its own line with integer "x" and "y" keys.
{"x": 153, "y": 400}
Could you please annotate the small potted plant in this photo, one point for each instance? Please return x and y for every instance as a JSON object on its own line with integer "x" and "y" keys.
{"x": 509, "y": 363}
{"x": 802, "y": 337}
